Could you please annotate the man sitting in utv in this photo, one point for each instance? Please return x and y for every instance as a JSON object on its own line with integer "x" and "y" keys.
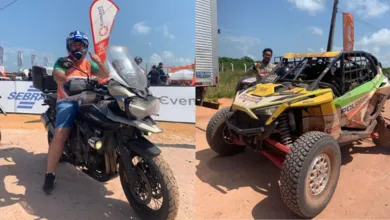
{"x": 265, "y": 66}
{"x": 66, "y": 109}
{"x": 261, "y": 69}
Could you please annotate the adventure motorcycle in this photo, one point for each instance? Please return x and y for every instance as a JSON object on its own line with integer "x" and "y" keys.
{"x": 108, "y": 137}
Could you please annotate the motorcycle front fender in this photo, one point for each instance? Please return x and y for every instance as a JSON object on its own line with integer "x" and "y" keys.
{"x": 143, "y": 147}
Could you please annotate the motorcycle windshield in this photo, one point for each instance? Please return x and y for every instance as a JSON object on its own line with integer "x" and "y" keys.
{"x": 124, "y": 70}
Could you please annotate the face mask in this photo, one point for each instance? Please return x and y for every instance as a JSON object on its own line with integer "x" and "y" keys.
{"x": 266, "y": 59}
{"x": 78, "y": 55}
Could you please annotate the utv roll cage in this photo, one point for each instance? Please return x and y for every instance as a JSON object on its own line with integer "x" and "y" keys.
{"x": 340, "y": 71}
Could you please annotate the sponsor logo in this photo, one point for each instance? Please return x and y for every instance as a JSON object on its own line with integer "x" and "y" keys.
{"x": 103, "y": 30}
{"x": 203, "y": 74}
{"x": 26, "y": 100}
{"x": 254, "y": 99}
{"x": 165, "y": 100}
{"x": 101, "y": 13}
{"x": 352, "y": 106}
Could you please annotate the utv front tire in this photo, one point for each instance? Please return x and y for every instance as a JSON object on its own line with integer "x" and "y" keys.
{"x": 215, "y": 135}
{"x": 310, "y": 174}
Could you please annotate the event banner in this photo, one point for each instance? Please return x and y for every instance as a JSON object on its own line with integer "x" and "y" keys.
{"x": 1, "y": 55}
{"x": 102, "y": 15}
{"x": 33, "y": 59}
{"x": 177, "y": 104}
{"x": 20, "y": 60}
{"x": 45, "y": 61}
{"x": 348, "y": 32}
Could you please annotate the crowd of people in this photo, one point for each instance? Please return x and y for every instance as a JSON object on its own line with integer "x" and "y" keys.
{"x": 156, "y": 75}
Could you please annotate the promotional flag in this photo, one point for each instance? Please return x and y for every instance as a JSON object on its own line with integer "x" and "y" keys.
{"x": 102, "y": 15}
{"x": 46, "y": 61}
{"x": 20, "y": 60}
{"x": 1, "y": 55}
{"x": 33, "y": 59}
{"x": 348, "y": 32}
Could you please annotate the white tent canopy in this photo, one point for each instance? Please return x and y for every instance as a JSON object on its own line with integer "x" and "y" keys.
{"x": 182, "y": 75}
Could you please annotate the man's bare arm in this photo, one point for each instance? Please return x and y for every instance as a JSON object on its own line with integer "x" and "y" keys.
{"x": 103, "y": 71}
{"x": 59, "y": 76}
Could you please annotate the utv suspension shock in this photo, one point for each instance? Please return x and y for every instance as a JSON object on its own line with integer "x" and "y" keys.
{"x": 285, "y": 130}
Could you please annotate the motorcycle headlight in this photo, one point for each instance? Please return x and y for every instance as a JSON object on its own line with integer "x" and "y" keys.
{"x": 139, "y": 108}
{"x": 267, "y": 111}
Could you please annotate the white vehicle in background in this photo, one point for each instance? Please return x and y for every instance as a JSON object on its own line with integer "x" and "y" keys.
{"x": 181, "y": 77}
{"x": 206, "y": 47}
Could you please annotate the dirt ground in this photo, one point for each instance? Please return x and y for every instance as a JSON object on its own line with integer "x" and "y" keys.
{"x": 245, "y": 186}
{"x": 23, "y": 162}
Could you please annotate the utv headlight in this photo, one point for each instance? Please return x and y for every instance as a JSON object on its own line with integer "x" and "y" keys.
{"x": 140, "y": 108}
{"x": 267, "y": 111}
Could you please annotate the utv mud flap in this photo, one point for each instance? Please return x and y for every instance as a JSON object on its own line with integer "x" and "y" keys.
{"x": 143, "y": 146}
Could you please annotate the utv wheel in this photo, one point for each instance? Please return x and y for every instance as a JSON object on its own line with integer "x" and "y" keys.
{"x": 310, "y": 174}
{"x": 216, "y": 135}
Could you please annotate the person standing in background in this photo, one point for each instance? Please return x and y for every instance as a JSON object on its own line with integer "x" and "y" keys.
{"x": 163, "y": 76}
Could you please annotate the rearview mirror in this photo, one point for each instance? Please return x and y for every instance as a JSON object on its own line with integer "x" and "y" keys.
{"x": 65, "y": 63}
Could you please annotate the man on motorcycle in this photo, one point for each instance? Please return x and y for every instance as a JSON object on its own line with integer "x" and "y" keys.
{"x": 66, "y": 109}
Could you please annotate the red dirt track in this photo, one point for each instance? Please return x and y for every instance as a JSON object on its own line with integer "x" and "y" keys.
{"x": 245, "y": 186}
{"x": 23, "y": 151}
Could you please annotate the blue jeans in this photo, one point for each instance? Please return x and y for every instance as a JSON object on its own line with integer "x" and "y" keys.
{"x": 65, "y": 113}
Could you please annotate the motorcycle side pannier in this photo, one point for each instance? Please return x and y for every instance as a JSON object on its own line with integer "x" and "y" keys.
{"x": 42, "y": 80}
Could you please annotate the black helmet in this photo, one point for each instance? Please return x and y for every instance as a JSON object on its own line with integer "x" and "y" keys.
{"x": 160, "y": 64}
{"x": 154, "y": 67}
{"x": 138, "y": 60}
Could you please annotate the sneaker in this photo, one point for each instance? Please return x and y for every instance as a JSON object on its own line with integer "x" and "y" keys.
{"x": 48, "y": 186}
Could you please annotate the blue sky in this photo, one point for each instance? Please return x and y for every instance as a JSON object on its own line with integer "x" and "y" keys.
{"x": 156, "y": 30}
{"x": 248, "y": 26}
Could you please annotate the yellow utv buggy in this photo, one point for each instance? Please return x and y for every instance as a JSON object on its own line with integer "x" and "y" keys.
{"x": 300, "y": 119}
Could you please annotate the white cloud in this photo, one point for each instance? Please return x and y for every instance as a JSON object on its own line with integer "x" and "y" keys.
{"x": 317, "y": 31}
{"x": 166, "y": 32}
{"x": 141, "y": 28}
{"x": 242, "y": 43}
{"x": 251, "y": 56}
{"x": 169, "y": 59}
{"x": 311, "y": 6}
{"x": 368, "y": 8}
{"x": 379, "y": 38}
{"x": 245, "y": 40}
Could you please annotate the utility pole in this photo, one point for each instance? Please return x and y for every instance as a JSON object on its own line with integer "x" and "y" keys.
{"x": 332, "y": 25}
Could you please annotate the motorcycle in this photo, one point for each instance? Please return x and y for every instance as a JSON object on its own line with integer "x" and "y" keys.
{"x": 108, "y": 136}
